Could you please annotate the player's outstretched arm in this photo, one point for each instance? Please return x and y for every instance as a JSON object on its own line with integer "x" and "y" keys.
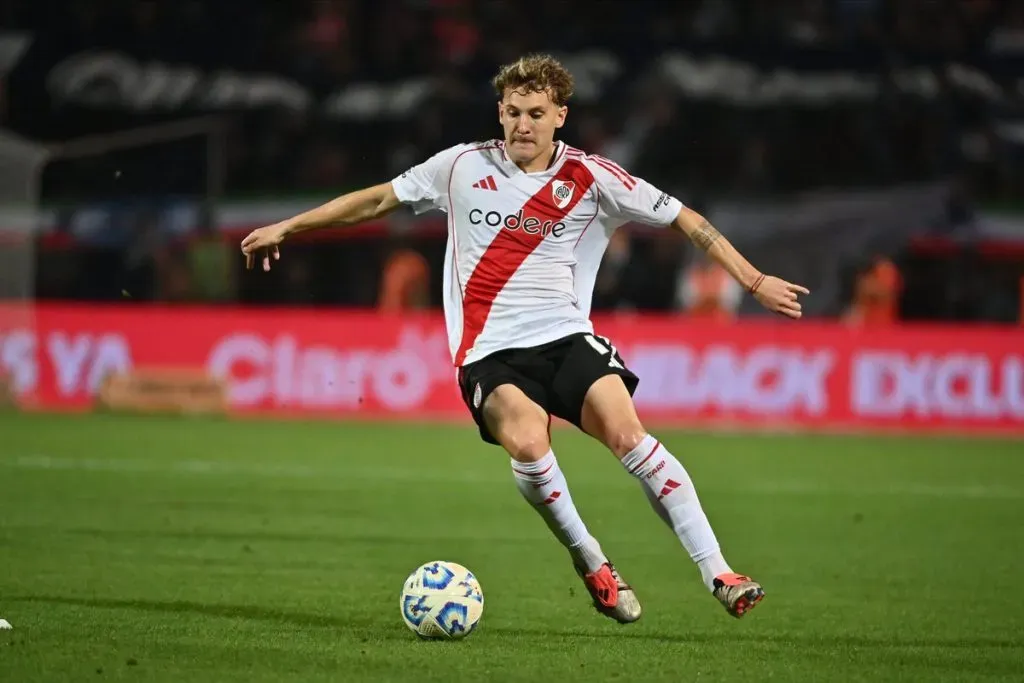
{"x": 348, "y": 209}
{"x": 773, "y": 293}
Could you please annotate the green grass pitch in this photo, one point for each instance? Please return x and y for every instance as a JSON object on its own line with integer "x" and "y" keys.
{"x": 150, "y": 549}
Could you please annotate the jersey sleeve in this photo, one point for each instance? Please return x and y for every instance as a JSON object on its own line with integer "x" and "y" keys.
{"x": 425, "y": 185}
{"x": 628, "y": 199}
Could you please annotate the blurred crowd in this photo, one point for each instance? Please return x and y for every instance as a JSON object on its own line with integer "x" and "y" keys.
{"x": 700, "y": 146}
{"x": 700, "y": 149}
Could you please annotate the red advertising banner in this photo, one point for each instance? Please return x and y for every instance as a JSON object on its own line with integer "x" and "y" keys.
{"x": 766, "y": 374}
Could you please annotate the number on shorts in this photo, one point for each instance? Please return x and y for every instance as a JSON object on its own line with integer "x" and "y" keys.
{"x": 604, "y": 349}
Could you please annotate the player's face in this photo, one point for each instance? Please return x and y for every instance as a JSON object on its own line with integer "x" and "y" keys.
{"x": 529, "y": 120}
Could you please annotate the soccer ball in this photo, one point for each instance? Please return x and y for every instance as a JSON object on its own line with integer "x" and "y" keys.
{"x": 442, "y": 601}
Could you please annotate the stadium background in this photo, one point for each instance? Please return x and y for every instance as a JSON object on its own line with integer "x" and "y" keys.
{"x": 873, "y": 151}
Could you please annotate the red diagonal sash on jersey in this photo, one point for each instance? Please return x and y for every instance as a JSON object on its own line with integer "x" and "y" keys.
{"x": 510, "y": 248}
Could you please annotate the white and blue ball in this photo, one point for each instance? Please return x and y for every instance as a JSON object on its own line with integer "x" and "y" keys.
{"x": 442, "y": 601}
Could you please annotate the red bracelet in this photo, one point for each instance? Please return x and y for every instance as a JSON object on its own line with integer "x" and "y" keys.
{"x": 757, "y": 283}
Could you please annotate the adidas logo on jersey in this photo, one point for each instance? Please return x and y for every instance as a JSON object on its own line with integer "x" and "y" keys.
{"x": 486, "y": 184}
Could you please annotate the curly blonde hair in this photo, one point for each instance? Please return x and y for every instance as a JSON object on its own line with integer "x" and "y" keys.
{"x": 536, "y": 73}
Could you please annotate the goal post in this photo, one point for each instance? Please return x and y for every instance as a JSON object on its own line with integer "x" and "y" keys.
{"x": 21, "y": 166}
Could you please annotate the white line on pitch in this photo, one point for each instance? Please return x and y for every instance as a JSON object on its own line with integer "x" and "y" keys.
{"x": 486, "y": 475}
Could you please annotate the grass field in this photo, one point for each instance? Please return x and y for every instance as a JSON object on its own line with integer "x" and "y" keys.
{"x": 140, "y": 549}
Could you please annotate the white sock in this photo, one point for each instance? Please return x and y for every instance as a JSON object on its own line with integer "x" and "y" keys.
{"x": 672, "y": 495}
{"x": 543, "y": 485}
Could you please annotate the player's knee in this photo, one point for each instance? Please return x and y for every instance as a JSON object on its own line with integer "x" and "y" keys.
{"x": 527, "y": 440}
{"x": 623, "y": 437}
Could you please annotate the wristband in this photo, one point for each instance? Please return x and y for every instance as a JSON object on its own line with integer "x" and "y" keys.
{"x": 757, "y": 283}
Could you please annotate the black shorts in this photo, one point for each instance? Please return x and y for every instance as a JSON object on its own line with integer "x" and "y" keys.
{"x": 556, "y": 376}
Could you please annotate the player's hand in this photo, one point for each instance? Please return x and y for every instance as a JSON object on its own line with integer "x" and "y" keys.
{"x": 266, "y": 240}
{"x": 779, "y": 296}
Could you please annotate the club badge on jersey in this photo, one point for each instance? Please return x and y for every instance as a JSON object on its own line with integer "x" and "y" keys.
{"x": 561, "y": 191}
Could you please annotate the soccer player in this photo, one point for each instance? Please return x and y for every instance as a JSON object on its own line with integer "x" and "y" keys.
{"x": 529, "y": 218}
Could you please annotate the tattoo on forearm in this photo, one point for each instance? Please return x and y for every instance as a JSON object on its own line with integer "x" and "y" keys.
{"x": 705, "y": 235}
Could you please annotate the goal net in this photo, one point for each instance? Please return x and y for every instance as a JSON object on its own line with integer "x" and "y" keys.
{"x": 111, "y": 217}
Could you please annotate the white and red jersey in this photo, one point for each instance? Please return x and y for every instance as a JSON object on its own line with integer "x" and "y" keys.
{"x": 524, "y": 248}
